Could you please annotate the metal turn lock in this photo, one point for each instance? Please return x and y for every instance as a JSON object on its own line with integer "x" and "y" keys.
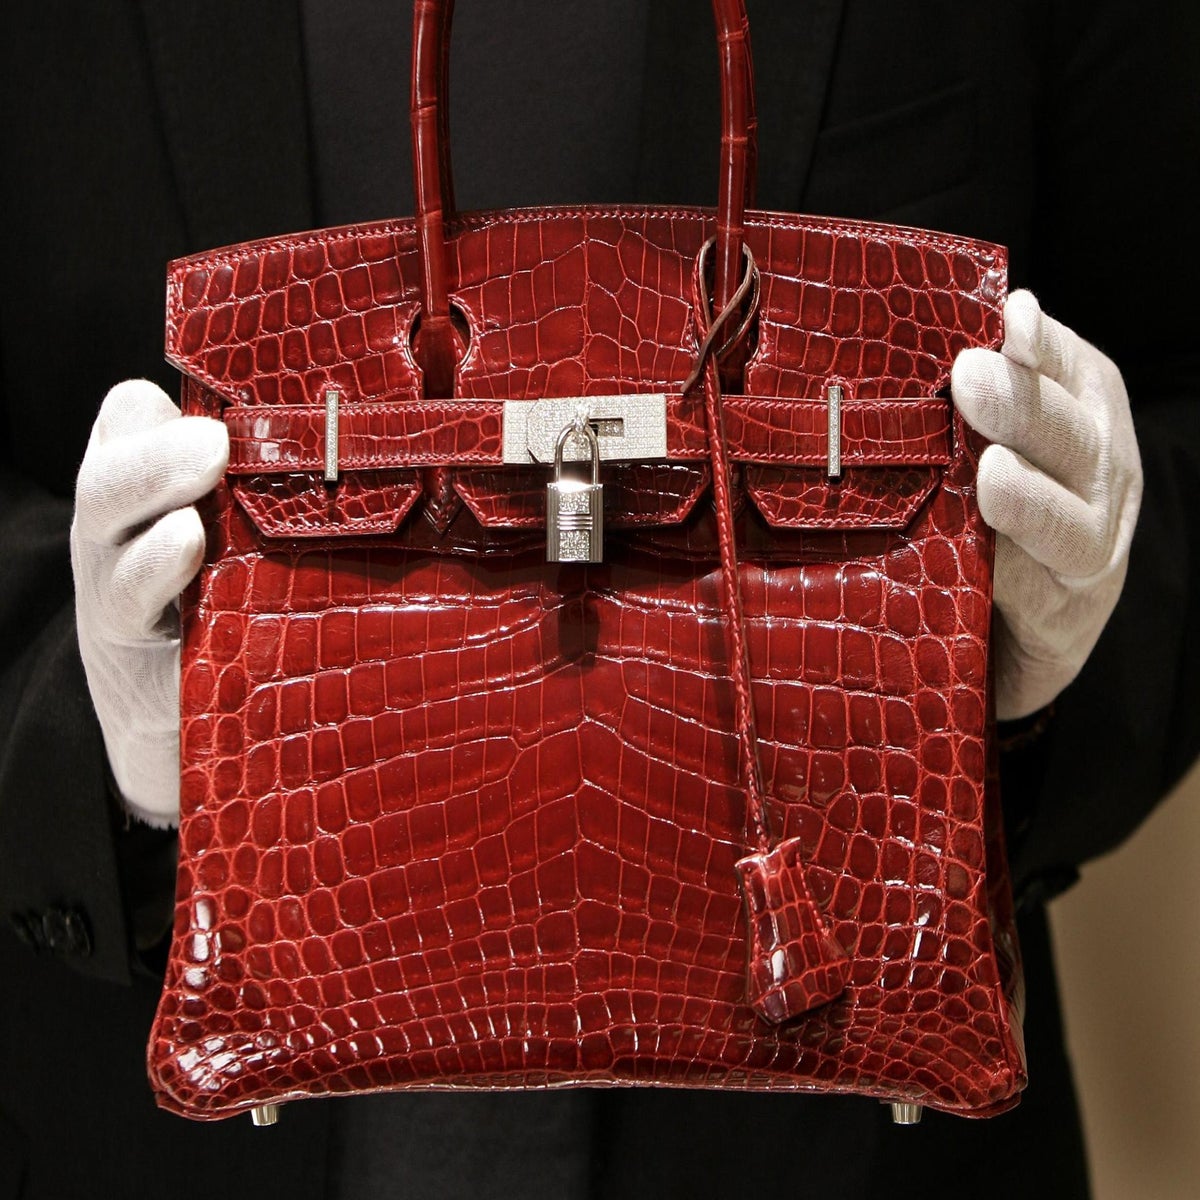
{"x": 575, "y": 507}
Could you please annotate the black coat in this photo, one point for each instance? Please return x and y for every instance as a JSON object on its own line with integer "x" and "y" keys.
{"x": 136, "y": 132}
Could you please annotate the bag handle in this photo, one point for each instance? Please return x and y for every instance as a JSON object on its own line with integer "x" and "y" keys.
{"x": 434, "y": 186}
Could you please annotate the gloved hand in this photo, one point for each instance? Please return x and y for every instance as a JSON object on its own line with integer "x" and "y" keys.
{"x": 1061, "y": 485}
{"x": 134, "y": 545}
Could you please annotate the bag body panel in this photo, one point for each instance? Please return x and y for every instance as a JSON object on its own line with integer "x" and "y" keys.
{"x": 452, "y": 817}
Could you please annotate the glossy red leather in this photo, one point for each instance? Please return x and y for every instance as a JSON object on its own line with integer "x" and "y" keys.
{"x": 458, "y": 433}
{"x": 437, "y": 346}
{"x": 717, "y": 812}
{"x": 453, "y": 817}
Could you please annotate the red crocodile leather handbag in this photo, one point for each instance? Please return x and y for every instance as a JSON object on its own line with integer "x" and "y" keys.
{"x": 587, "y": 682}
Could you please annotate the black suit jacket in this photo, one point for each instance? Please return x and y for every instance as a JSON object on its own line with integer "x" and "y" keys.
{"x": 136, "y": 132}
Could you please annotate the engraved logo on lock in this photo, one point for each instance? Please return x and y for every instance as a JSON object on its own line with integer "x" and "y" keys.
{"x": 575, "y": 507}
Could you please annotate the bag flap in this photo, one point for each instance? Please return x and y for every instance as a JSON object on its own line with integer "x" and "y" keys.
{"x": 578, "y": 303}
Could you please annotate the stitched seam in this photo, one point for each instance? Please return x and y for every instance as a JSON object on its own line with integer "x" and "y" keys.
{"x": 306, "y": 415}
{"x": 897, "y": 517}
{"x": 404, "y": 230}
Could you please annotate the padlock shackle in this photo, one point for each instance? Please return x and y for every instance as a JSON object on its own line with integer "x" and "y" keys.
{"x": 581, "y": 429}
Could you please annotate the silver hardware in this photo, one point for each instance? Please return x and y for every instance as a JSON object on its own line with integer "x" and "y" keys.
{"x": 833, "y": 403}
{"x": 904, "y": 1113}
{"x": 264, "y": 1115}
{"x": 575, "y": 507}
{"x": 627, "y": 428}
{"x": 333, "y": 399}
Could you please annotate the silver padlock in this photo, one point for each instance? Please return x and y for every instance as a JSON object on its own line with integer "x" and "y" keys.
{"x": 575, "y": 507}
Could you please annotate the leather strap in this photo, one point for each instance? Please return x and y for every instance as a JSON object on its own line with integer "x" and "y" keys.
{"x": 718, "y": 455}
{"x": 759, "y": 430}
{"x": 436, "y": 344}
{"x": 794, "y": 962}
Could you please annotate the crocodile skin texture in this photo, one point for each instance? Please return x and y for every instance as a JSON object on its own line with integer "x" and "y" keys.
{"x": 280, "y": 440}
{"x": 434, "y": 187}
{"x": 452, "y": 817}
{"x": 794, "y": 963}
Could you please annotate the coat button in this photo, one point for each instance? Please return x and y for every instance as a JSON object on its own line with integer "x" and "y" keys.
{"x": 79, "y": 936}
{"x": 54, "y": 930}
{"x": 65, "y": 932}
{"x": 58, "y": 929}
{"x": 29, "y": 932}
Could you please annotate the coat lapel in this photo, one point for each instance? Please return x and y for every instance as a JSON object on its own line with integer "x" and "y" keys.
{"x": 794, "y": 43}
{"x": 230, "y": 82}
{"x": 793, "y": 55}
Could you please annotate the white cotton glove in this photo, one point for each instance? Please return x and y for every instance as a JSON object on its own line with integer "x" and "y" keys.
{"x": 134, "y": 545}
{"x": 1061, "y": 485}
